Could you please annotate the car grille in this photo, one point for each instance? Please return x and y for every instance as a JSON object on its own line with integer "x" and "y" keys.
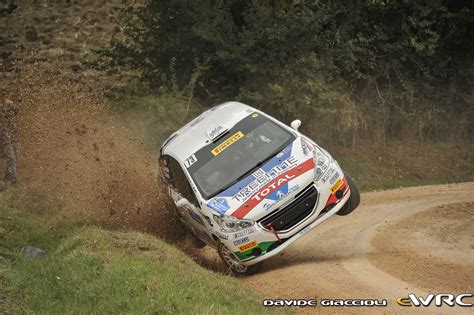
{"x": 289, "y": 216}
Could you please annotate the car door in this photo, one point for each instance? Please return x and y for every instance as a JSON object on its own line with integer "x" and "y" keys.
{"x": 179, "y": 189}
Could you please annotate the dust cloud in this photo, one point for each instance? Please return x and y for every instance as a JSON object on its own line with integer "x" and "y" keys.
{"x": 76, "y": 152}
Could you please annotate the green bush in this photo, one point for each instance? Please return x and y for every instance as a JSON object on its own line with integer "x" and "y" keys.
{"x": 376, "y": 69}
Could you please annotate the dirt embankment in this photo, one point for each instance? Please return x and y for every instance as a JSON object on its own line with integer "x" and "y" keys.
{"x": 80, "y": 157}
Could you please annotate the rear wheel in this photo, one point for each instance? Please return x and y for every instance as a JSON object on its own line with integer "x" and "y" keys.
{"x": 234, "y": 264}
{"x": 354, "y": 199}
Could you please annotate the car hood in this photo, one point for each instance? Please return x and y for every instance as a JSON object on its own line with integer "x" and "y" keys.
{"x": 272, "y": 185}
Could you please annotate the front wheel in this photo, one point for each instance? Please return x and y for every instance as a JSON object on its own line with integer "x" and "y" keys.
{"x": 234, "y": 264}
{"x": 354, "y": 199}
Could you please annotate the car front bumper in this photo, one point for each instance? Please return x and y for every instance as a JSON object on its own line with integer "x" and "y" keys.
{"x": 265, "y": 243}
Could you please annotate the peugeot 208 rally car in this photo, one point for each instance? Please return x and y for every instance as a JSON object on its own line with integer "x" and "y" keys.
{"x": 248, "y": 185}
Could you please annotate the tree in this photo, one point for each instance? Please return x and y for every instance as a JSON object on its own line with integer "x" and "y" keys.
{"x": 379, "y": 64}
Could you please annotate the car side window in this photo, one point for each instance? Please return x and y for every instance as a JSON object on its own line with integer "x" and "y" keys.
{"x": 177, "y": 178}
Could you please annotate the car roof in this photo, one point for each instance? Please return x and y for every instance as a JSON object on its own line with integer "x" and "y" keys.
{"x": 194, "y": 135}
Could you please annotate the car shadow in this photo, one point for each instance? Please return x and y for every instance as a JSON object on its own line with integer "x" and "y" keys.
{"x": 208, "y": 258}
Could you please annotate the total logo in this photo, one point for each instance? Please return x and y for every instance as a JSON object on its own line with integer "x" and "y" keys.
{"x": 272, "y": 187}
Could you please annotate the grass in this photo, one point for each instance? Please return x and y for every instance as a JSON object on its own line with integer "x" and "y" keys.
{"x": 92, "y": 270}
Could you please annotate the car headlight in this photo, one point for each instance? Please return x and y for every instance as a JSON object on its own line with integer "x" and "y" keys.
{"x": 232, "y": 224}
{"x": 321, "y": 162}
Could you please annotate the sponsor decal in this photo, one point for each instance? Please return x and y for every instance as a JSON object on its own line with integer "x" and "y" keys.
{"x": 196, "y": 121}
{"x": 282, "y": 192}
{"x": 326, "y": 302}
{"x": 294, "y": 188}
{"x": 227, "y": 143}
{"x": 215, "y": 132}
{"x": 245, "y": 232}
{"x": 257, "y": 197}
{"x": 254, "y": 115}
{"x": 247, "y": 246}
{"x": 328, "y": 174}
{"x": 196, "y": 217}
{"x": 273, "y": 186}
{"x": 190, "y": 161}
{"x": 221, "y": 235}
{"x": 262, "y": 178}
{"x": 265, "y": 139}
{"x": 218, "y": 204}
{"x": 241, "y": 241}
{"x": 307, "y": 148}
{"x": 334, "y": 178}
{"x": 337, "y": 185}
{"x": 305, "y": 230}
{"x": 279, "y": 195}
{"x": 259, "y": 172}
{"x": 332, "y": 197}
{"x": 268, "y": 206}
{"x": 437, "y": 299}
{"x": 248, "y": 110}
{"x": 310, "y": 146}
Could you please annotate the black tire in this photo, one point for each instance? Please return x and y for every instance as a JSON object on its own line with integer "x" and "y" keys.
{"x": 232, "y": 262}
{"x": 354, "y": 199}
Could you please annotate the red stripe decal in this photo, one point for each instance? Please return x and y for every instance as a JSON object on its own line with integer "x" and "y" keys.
{"x": 272, "y": 186}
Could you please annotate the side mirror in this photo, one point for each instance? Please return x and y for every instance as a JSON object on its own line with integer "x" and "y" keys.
{"x": 295, "y": 124}
{"x": 181, "y": 202}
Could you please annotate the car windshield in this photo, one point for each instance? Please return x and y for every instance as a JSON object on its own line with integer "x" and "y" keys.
{"x": 251, "y": 142}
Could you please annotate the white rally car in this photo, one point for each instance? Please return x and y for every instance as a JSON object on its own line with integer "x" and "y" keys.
{"x": 249, "y": 185}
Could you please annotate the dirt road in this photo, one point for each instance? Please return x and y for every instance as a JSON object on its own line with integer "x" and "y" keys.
{"x": 415, "y": 240}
